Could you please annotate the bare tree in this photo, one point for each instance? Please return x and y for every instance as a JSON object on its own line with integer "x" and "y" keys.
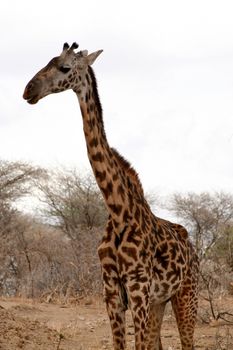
{"x": 17, "y": 180}
{"x": 205, "y": 215}
{"x": 223, "y": 250}
{"x": 72, "y": 202}
{"x": 209, "y": 219}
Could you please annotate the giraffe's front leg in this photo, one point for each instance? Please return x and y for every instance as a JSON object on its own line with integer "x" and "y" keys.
{"x": 154, "y": 326}
{"x": 185, "y": 304}
{"x": 113, "y": 293}
{"x": 139, "y": 302}
{"x": 116, "y": 312}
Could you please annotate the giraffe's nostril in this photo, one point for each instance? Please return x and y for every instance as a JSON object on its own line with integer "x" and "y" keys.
{"x": 29, "y": 91}
{"x": 30, "y": 86}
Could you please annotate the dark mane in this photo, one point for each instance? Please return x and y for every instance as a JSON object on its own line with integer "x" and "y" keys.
{"x": 95, "y": 91}
{"x": 122, "y": 161}
{"x": 129, "y": 169}
{"x": 97, "y": 98}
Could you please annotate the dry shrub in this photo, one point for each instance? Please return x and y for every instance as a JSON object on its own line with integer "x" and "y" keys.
{"x": 223, "y": 339}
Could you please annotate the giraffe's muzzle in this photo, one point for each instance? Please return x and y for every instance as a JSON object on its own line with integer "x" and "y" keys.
{"x": 31, "y": 94}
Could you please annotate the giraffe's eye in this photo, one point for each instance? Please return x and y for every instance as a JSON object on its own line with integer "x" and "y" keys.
{"x": 64, "y": 69}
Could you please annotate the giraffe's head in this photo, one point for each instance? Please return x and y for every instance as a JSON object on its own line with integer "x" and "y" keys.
{"x": 67, "y": 71}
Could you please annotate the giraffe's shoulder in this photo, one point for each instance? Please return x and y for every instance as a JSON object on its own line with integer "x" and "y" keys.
{"x": 177, "y": 229}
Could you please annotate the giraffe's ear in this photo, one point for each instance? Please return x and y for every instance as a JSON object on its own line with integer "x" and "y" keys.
{"x": 93, "y": 56}
{"x": 84, "y": 53}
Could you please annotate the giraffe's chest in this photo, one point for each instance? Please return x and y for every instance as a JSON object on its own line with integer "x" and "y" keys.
{"x": 170, "y": 265}
{"x": 160, "y": 265}
{"x": 137, "y": 262}
{"x": 162, "y": 288}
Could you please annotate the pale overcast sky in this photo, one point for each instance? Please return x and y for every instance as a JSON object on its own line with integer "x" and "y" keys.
{"x": 165, "y": 82}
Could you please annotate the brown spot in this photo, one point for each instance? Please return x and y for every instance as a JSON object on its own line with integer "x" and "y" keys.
{"x": 109, "y": 268}
{"x": 131, "y": 252}
{"x": 137, "y": 214}
{"x": 126, "y": 215}
{"x": 106, "y": 252}
{"x": 180, "y": 260}
{"x": 94, "y": 142}
{"x": 161, "y": 255}
{"x": 156, "y": 288}
{"x": 133, "y": 239}
{"x": 109, "y": 227}
{"x": 146, "y": 243}
{"x": 175, "y": 286}
{"x": 115, "y": 224}
{"x": 110, "y": 187}
{"x": 142, "y": 312}
{"x": 98, "y": 157}
{"x": 130, "y": 201}
{"x": 123, "y": 262}
{"x": 137, "y": 300}
{"x": 106, "y": 193}
{"x": 100, "y": 175}
{"x": 135, "y": 286}
{"x": 176, "y": 268}
{"x": 165, "y": 286}
{"x": 143, "y": 326}
{"x": 173, "y": 250}
{"x": 115, "y": 176}
{"x": 118, "y": 318}
{"x": 121, "y": 191}
{"x": 145, "y": 220}
{"x": 89, "y": 122}
{"x": 169, "y": 275}
{"x": 115, "y": 325}
{"x": 158, "y": 272}
{"x": 143, "y": 255}
{"x": 117, "y": 333}
{"x": 116, "y": 208}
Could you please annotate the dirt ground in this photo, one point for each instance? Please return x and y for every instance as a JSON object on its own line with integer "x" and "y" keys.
{"x": 30, "y": 325}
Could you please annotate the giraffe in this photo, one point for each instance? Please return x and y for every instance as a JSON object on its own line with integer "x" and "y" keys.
{"x": 146, "y": 261}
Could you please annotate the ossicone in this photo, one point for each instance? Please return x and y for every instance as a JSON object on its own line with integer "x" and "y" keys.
{"x": 74, "y": 46}
{"x": 67, "y": 47}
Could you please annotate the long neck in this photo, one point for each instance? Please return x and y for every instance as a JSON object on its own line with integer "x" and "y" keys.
{"x": 106, "y": 169}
